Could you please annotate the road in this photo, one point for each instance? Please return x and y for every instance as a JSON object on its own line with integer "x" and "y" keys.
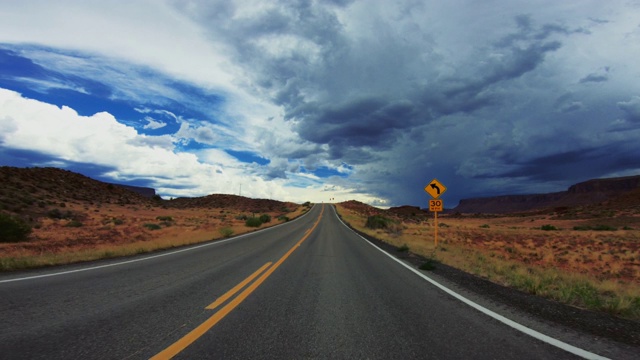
{"x": 310, "y": 288}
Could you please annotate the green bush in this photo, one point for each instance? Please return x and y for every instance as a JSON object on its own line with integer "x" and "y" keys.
{"x": 117, "y": 221}
{"x": 378, "y": 222}
{"x": 226, "y": 232}
{"x": 595, "y": 228}
{"x": 283, "y": 218}
{"x": 548, "y": 228}
{"x": 485, "y": 226}
{"x": 403, "y": 248}
{"x": 604, "y": 228}
{"x": 74, "y": 223}
{"x": 152, "y": 226}
{"x": 13, "y": 229}
{"x": 253, "y": 222}
{"x": 265, "y": 218}
{"x": 57, "y": 214}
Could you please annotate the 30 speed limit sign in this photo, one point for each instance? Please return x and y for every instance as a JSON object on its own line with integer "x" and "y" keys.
{"x": 435, "y": 205}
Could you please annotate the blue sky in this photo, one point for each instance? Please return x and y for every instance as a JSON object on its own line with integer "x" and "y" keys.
{"x": 312, "y": 100}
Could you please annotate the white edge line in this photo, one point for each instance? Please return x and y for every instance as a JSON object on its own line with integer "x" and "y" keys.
{"x": 152, "y": 256}
{"x": 533, "y": 333}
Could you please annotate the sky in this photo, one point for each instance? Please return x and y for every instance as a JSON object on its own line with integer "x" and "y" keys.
{"x": 326, "y": 100}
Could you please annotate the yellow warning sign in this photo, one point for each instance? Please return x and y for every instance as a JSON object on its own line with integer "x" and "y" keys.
{"x": 435, "y": 188}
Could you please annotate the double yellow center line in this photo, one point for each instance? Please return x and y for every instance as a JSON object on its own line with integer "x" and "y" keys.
{"x": 266, "y": 270}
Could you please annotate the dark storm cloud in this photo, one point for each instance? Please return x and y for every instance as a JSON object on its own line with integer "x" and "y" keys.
{"x": 631, "y": 109}
{"x": 388, "y": 96}
{"x": 594, "y": 78}
{"x": 583, "y": 163}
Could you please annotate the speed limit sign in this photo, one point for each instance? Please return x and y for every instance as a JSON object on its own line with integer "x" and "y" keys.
{"x": 435, "y": 205}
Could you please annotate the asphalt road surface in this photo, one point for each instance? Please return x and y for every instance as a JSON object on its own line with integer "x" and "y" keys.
{"x": 310, "y": 288}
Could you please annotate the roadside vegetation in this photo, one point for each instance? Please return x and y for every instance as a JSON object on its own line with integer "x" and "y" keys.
{"x": 85, "y": 232}
{"x": 595, "y": 267}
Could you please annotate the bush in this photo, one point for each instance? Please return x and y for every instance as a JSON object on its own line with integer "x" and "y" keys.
{"x": 265, "y": 218}
{"x": 117, "y": 221}
{"x": 548, "y": 228}
{"x": 485, "y": 226}
{"x": 57, "y": 214}
{"x": 242, "y": 217}
{"x": 13, "y": 229}
{"x": 226, "y": 232}
{"x": 164, "y": 218}
{"x": 253, "y": 222}
{"x": 152, "y": 226}
{"x": 74, "y": 223}
{"x": 283, "y": 218}
{"x": 604, "y": 228}
{"x": 377, "y": 222}
{"x": 403, "y": 248}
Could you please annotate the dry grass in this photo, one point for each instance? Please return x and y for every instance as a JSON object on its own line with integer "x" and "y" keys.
{"x": 111, "y": 230}
{"x": 598, "y": 270}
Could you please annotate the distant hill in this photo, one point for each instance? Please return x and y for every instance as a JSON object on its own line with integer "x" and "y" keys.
{"x": 32, "y": 192}
{"x": 405, "y": 213}
{"x": 585, "y": 193}
{"x": 231, "y": 201}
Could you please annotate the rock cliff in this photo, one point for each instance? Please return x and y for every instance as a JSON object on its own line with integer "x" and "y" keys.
{"x": 584, "y": 193}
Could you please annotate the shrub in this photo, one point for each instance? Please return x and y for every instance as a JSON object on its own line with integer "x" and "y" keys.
{"x": 164, "y": 218}
{"x": 117, "y": 221}
{"x": 548, "y": 228}
{"x": 74, "y": 223}
{"x": 604, "y": 228}
{"x": 377, "y": 222}
{"x": 403, "y": 248}
{"x": 253, "y": 222}
{"x": 152, "y": 226}
{"x": 307, "y": 204}
{"x": 283, "y": 218}
{"x": 485, "y": 226}
{"x": 265, "y": 218}
{"x": 57, "y": 214}
{"x": 428, "y": 265}
{"x": 13, "y": 229}
{"x": 242, "y": 217}
{"x": 226, "y": 232}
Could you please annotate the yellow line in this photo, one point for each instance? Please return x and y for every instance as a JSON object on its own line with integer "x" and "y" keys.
{"x": 196, "y": 333}
{"x": 237, "y": 288}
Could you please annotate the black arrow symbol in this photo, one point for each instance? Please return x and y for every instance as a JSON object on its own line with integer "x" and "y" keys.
{"x": 434, "y": 186}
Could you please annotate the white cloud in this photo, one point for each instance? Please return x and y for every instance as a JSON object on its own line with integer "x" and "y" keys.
{"x": 153, "y": 124}
{"x": 100, "y": 139}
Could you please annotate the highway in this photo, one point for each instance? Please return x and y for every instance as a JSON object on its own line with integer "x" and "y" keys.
{"x": 310, "y": 288}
